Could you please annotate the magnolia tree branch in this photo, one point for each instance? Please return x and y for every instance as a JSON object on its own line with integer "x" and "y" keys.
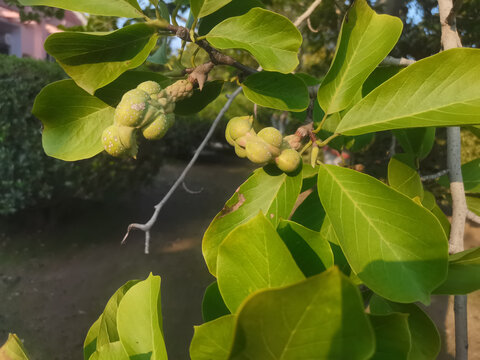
{"x": 307, "y": 13}
{"x": 473, "y": 217}
{"x": 434, "y": 176}
{"x": 392, "y": 61}
{"x": 450, "y": 40}
{"x": 149, "y": 224}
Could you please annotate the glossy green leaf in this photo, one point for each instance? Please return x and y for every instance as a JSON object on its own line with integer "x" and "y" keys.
{"x": 160, "y": 56}
{"x": 417, "y": 141}
{"x": 213, "y": 305}
{"x": 425, "y": 339}
{"x": 201, "y": 8}
{"x": 94, "y": 60}
{"x": 139, "y": 320}
{"x": 277, "y": 91}
{"x": 309, "y": 249}
{"x": 428, "y": 200}
{"x": 213, "y": 340}
{"x": 442, "y": 218}
{"x": 395, "y": 246}
{"x": 403, "y": 176}
{"x": 90, "y": 343}
{"x": 73, "y": 121}
{"x": 364, "y": 41}
{"x": 107, "y": 332}
{"x": 268, "y": 190}
{"x": 200, "y": 99}
{"x": 233, "y": 8}
{"x": 251, "y": 258}
{"x": 463, "y": 273}
{"x": 310, "y": 212}
{"x": 473, "y": 204}
{"x": 471, "y": 177}
{"x": 112, "y": 351}
{"x": 378, "y": 77}
{"x": 13, "y": 349}
{"x": 120, "y": 8}
{"x": 275, "y": 46}
{"x": 392, "y": 336}
{"x": 308, "y": 79}
{"x": 321, "y": 317}
{"x": 425, "y": 94}
{"x": 113, "y": 92}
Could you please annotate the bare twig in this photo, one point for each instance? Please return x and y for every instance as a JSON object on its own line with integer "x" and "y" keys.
{"x": 149, "y": 224}
{"x": 390, "y": 60}
{"x": 310, "y": 26}
{"x": 193, "y": 192}
{"x": 450, "y": 40}
{"x": 434, "y": 176}
{"x": 307, "y": 13}
{"x": 473, "y": 217}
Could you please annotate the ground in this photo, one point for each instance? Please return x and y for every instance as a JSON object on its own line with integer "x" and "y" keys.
{"x": 55, "y": 280}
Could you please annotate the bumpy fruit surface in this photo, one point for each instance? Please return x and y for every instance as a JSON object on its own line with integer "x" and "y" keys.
{"x": 150, "y": 87}
{"x": 179, "y": 90}
{"x": 289, "y": 160}
{"x": 240, "y": 126}
{"x": 157, "y": 128}
{"x": 271, "y": 136}
{"x": 257, "y": 151}
{"x": 132, "y": 108}
{"x": 120, "y": 141}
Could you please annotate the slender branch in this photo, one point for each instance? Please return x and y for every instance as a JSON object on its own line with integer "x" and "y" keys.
{"x": 149, "y": 224}
{"x": 390, "y": 60}
{"x": 193, "y": 192}
{"x": 434, "y": 176}
{"x": 307, "y": 13}
{"x": 450, "y": 40}
{"x": 473, "y": 217}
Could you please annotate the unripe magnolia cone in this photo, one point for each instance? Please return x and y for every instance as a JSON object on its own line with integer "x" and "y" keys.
{"x": 271, "y": 136}
{"x": 257, "y": 151}
{"x": 240, "y": 126}
{"x": 179, "y": 90}
{"x": 132, "y": 108}
{"x": 289, "y": 160}
{"x": 150, "y": 87}
{"x": 120, "y": 141}
{"x": 157, "y": 128}
{"x": 240, "y": 151}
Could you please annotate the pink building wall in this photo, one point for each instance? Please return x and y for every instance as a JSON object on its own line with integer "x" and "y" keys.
{"x": 26, "y": 39}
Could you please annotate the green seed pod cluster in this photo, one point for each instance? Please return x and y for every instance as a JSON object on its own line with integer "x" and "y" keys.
{"x": 147, "y": 109}
{"x": 268, "y": 146}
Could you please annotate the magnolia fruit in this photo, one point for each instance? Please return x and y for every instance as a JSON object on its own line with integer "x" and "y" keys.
{"x": 228, "y": 137}
{"x": 240, "y": 151}
{"x": 289, "y": 160}
{"x": 258, "y": 151}
{"x": 179, "y": 90}
{"x": 132, "y": 108}
{"x": 150, "y": 87}
{"x": 271, "y": 136}
{"x": 240, "y": 126}
{"x": 120, "y": 141}
{"x": 157, "y": 128}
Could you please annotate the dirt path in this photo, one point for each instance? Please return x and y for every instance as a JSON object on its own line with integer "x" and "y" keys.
{"x": 54, "y": 283}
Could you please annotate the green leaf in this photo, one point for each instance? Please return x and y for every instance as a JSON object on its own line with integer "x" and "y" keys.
{"x": 139, "y": 320}
{"x": 73, "y": 121}
{"x": 107, "y": 332}
{"x": 94, "y": 60}
{"x": 13, "y": 349}
{"x": 90, "y": 343}
{"x": 277, "y": 91}
{"x": 268, "y": 190}
{"x": 403, "y": 176}
{"x": 471, "y": 177}
{"x": 395, "y": 246}
{"x": 233, "y": 8}
{"x": 309, "y": 249}
{"x": 202, "y": 8}
{"x": 417, "y": 141}
{"x": 200, "y": 99}
{"x": 271, "y": 38}
{"x": 364, "y": 41}
{"x": 425, "y": 94}
{"x": 442, "y": 218}
{"x": 213, "y": 340}
{"x": 424, "y": 335}
{"x": 160, "y": 57}
{"x": 251, "y": 258}
{"x": 310, "y": 212}
{"x": 321, "y": 317}
{"x": 308, "y": 79}
{"x": 463, "y": 273}
{"x": 111, "y": 351}
{"x": 113, "y": 92}
{"x": 213, "y": 305}
{"x": 392, "y": 336}
{"x": 120, "y": 8}
{"x": 473, "y": 204}
{"x": 428, "y": 200}
{"x": 378, "y": 77}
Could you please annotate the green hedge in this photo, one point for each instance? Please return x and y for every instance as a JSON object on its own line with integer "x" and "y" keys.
{"x": 27, "y": 176}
